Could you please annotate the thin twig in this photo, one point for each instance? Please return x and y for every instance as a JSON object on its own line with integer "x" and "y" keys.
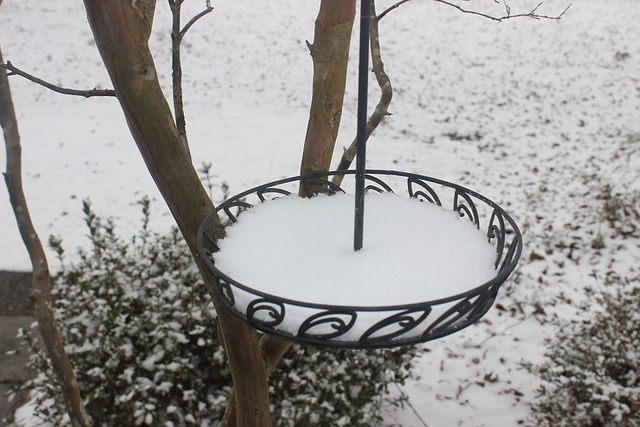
{"x": 481, "y": 343}
{"x": 384, "y": 81}
{"x": 193, "y": 20}
{"x": 65, "y": 91}
{"x": 389, "y": 9}
{"x": 412, "y": 407}
{"x": 507, "y": 8}
{"x": 176, "y": 64}
{"x": 532, "y": 14}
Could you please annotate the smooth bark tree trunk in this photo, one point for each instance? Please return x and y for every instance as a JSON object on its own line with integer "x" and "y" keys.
{"x": 121, "y": 29}
{"x": 330, "y": 53}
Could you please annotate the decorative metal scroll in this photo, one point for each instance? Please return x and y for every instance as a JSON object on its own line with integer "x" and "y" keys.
{"x": 365, "y": 326}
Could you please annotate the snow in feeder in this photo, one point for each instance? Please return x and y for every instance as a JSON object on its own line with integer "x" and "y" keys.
{"x": 285, "y": 266}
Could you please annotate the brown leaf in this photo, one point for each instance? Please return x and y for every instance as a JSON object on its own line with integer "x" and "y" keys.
{"x": 539, "y": 310}
{"x": 514, "y": 391}
{"x": 535, "y": 257}
{"x": 491, "y": 377}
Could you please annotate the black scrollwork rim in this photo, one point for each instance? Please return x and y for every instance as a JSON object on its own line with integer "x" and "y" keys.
{"x": 508, "y": 250}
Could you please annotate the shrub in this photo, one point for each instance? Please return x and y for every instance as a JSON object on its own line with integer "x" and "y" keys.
{"x": 336, "y": 387}
{"x": 592, "y": 370}
{"x": 141, "y": 333}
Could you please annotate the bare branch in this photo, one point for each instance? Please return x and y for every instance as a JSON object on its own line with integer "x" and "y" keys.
{"x": 41, "y": 281}
{"x": 176, "y": 73}
{"x": 532, "y": 14}
{"x": 383, "y": 79}
{"x": 507, "y": 8}
{"x": 193, "y": 20}
{"x": 84, "y": 93}
{"x": 122, "y": 33}
{"x": 389, "y": 9}
{"x": 386, "y": 93}
{"x": 176, "y": 64}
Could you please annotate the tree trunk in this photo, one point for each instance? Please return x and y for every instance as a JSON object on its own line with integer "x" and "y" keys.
{"x": 121, "y": 29}
{"x": 330, "y": 53}
{"x": 41, "y": 282}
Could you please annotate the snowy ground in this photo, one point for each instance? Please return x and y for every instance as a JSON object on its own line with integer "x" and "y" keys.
{"x": 538, "y": 115}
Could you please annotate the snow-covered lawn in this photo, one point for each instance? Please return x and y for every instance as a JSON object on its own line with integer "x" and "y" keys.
{"x": 541, "y": 116}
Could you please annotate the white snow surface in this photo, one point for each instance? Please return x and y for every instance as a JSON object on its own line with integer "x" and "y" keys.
{"x": 302, "y": 249}
{"x": 539, "y": 115}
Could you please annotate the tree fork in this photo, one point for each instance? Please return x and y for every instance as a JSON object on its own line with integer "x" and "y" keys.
{"x": 121, "y": 30}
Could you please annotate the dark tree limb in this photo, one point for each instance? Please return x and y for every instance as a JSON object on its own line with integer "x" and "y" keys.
{"x": 390, "y": 8}
{"x": 386, "y": 93}
{"x": 176, "y": 68}
{"x": 41, "y": 282}
{"x": 121, "y": 29}
{"x": 177, "y": 35}
{"x": 13, "y": 70}
{"x": 176, "y": 64}
{"x": 532, "y": 14}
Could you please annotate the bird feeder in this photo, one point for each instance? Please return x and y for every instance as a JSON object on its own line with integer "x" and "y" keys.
{"x": 350, "y": 324}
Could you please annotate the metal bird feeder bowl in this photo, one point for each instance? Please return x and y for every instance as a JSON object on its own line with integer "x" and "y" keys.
{"x": 365, "y": 326}
{"x": 350, "y": 326}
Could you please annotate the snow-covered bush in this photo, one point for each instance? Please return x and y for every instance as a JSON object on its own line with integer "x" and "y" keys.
{"x": 336, "y": 387}
{"x": 592, "y": 370}
{"x": 141, "y": 333}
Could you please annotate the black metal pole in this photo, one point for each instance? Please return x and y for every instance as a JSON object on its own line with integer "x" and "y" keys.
{"x": 361, "y": 138}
